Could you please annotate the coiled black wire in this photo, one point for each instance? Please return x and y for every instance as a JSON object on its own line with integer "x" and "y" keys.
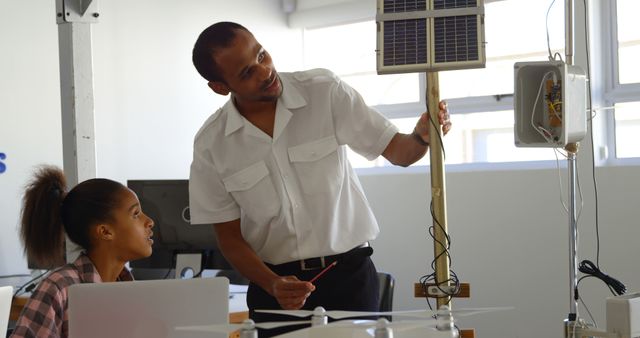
{"x": 591, "y": 270}
{"x": 429, "y": 278}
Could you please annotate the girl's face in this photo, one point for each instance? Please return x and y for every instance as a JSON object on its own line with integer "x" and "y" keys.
{"x": 131, "y": 228}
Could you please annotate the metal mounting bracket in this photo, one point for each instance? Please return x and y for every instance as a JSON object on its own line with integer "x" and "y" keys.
{"x": 82, "y": 11}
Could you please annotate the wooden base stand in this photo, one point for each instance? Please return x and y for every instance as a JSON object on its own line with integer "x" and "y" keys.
{"x": 420, "y": 291}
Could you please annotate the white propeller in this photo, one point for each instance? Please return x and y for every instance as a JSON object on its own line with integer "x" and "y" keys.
{"x": 338, "y": 314}
{"x": 247, "y": 324}
{"x": 384, "y": 323}
{"x": 377, "y": 329}
{"x": 425, "y": 328}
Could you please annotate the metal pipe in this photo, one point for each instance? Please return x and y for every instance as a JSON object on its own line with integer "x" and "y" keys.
{"x": 568, "y": 31}
{"x": 572, "y": 149}
{"x": 573, "y": 235}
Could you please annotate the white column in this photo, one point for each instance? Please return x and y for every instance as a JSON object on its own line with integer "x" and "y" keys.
{"x": 74, "y": 18}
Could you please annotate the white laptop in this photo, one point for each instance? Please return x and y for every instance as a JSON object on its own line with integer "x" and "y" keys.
{"x": 6, "y": 295}
{"x": 145, "y": 309}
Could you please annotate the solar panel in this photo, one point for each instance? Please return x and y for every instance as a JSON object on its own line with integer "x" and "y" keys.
{"x": 405, "y": 42}
{"x": 422, "y": 35}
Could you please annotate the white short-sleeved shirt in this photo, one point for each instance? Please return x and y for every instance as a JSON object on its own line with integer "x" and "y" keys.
{"x": 295, "y": 193}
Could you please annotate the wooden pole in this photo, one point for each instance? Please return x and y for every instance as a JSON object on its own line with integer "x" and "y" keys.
{"x": 438, "y": 188}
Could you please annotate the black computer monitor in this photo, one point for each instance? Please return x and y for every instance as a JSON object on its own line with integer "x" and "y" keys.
{"x": 167, "y": 203}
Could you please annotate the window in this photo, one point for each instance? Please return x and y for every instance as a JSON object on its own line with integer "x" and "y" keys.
{"x": 514, "y": 31}
{"x": 628, "y": 41}
{"x": 349, "y": 51}
{"x": 627, "y": 122}
{"x": 482, "y": 117}
{"x": 624, "y": 93}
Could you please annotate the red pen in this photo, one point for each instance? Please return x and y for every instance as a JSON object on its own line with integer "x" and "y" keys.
{"x": 323, "y": 271}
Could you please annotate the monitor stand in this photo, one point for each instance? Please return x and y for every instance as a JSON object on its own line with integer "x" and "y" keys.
{"x": 188, "y": 265}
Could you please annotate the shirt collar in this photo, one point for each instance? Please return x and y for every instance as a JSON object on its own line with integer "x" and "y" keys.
{"x": 235, "y": 120}
{"x": 291, "y": 98}
{"x": 89, "y": 274}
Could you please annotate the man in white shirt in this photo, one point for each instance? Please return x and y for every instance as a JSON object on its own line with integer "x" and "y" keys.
{"x": 270, "y": 170}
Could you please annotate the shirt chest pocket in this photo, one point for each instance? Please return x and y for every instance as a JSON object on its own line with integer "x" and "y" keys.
{"x": 254, "y": 191}
{"x": 318, "y": 165}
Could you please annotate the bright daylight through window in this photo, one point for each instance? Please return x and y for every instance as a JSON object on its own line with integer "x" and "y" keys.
{"x": 627, "y": 122}
{"x": 483, "y": 126}
{"x": 627, "y": 114}
{"x": 628, "y": 41}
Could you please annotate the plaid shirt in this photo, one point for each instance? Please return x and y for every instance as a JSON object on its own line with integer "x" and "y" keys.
{"x": 45, "y": 314}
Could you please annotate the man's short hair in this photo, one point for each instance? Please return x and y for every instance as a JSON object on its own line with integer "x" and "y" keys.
{"x": 215, "y": 37}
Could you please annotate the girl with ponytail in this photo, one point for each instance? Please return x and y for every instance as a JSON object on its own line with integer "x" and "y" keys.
{"x": 101, "y": 216}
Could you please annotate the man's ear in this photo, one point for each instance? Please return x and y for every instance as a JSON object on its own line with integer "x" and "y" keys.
{"x": 219, "y": 88}
{"x": 104, "y": 232}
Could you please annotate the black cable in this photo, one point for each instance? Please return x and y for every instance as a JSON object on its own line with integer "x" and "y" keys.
{"x": 30, "y": 284}
{"x": 551, "y": 57}
{"x": 167, "y": 274}
{"x": 453, "y": 279}
{"x": 591, "y": 270}
{"x": 174, "y": 260}
{"x": 435, "y": 125}
{"x": 15, "y": 276}
{"x": 593, "y": 151}
{"x": 586, "y": 266}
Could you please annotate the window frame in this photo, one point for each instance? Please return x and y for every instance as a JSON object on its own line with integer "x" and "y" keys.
{"x": 407, "y": 109}
{"x": 391, "y": 111}
{"x": 614, "y": 92}
{"x": 606, "y": 92}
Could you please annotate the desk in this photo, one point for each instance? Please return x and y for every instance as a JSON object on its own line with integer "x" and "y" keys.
{"x": 17, "y": 303}
{"x": 237, "y": 317}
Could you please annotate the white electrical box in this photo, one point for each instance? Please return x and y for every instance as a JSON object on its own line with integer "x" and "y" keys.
{"x": 550, "y": 104}
{"x": 623, "y": 315}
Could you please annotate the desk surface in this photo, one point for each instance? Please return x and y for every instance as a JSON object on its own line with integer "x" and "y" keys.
{"x": 16, "y": 307}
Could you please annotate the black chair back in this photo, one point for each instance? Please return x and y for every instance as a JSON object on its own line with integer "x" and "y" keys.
{"x": 387, "y": 283}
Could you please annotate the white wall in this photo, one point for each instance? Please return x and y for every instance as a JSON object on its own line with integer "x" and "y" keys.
{"x": 30, "y": 130}
{"x": 510, "y": 242}
{"x": 149, "y": 100}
